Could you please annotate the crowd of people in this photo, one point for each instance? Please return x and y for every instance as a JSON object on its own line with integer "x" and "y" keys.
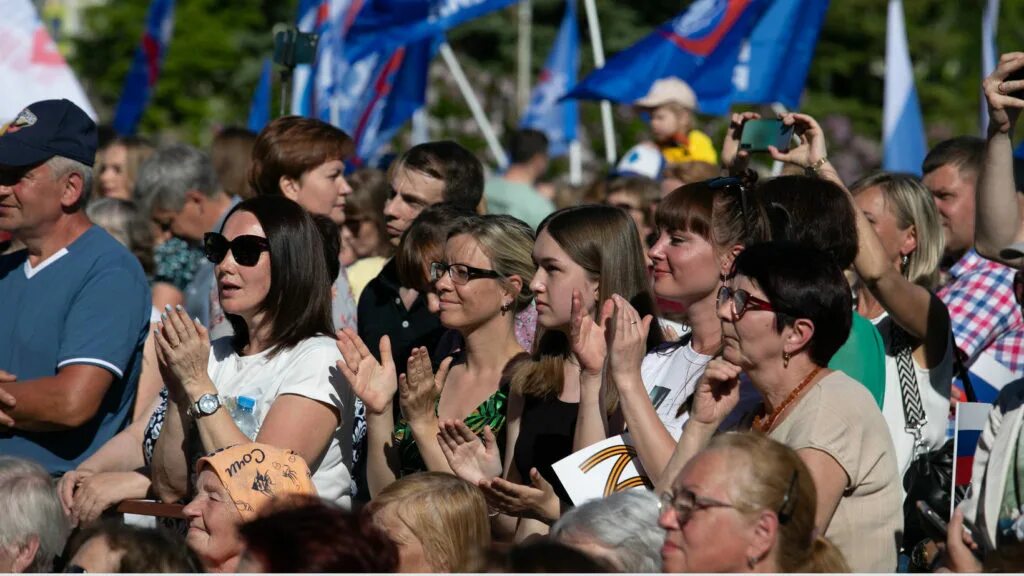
{"x": 256, "y": 359}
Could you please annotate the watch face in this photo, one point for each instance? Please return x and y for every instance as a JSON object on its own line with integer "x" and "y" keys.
{"x": 208, "y": 404}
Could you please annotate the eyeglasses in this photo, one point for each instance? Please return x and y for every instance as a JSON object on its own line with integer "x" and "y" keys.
{"x": 742, "y": 301}
{"x": 684, "y": 503}
{"x": 734, "y": 185}
{"x": 245, "y": 249}
{"x": 460, "y": 273}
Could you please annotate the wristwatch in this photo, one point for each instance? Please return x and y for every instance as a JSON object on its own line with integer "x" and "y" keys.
{"x": 206, "y": 405}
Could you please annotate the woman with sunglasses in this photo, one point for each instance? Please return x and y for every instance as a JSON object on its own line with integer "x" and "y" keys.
{"x": 784, "y": 313}
{"x": 274, "y": 284}
{"x": 480, "y": 283}
{"x": 746, "y": 503}
{"x": 585, "y": 256}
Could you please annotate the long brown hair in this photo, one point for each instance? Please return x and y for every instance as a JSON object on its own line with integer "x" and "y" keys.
{"x": 605, "y": 242}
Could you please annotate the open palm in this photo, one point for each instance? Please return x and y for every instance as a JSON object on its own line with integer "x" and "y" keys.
{"x": 375, "y": 383}
{"x": 472, "y": 459}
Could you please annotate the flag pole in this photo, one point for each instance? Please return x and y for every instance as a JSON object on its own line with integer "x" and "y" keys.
{"x": 606, "y": 106}
{"x": 523, "y": 58}
{"x": 575, "y": 163}
{"x": 474, "y": 105}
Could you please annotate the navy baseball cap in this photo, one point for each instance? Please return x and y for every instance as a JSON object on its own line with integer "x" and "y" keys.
{"x": 46, "y": 129}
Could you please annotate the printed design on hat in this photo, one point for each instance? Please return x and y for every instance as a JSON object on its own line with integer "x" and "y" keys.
{"x": 263, "y": 484}
{"x": 25, "y": 118}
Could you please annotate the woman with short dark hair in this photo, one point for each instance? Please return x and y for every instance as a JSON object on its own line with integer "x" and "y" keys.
{"x": 785, "y": 313}
{"x": 274, "y": 287}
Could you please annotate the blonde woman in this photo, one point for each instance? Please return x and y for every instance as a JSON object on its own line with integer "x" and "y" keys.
{"x": 438, "y": 521}
{"x": 118, "y": 165}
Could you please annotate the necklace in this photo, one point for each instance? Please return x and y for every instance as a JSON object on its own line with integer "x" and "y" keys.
{"x": 764, "y": 425}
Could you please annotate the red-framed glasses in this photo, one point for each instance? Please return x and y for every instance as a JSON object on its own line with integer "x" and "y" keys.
{"x": 742, "y": 301}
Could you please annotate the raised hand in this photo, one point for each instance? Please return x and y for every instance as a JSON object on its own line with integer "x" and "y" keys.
{"x": 1005, "y": 98}
{"x": 627, "y": 340}
{"x": 472, "y": 459}
{"x": 183, "y": 349}
{"x": 419, "y": 388}
{"x": 587, "y": 337}
{"x": 811, "y": 148}
{"x": 733, "y": 158}
{"x": 538, "y": 501}
{"x": 373, "y": 382}
{"x": 717, "y": 393}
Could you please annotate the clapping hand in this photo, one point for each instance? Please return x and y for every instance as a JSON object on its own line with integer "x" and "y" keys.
{"x": 1005, "y": 98}
{"x": 472, "y": 459}
{"x": 628, "y": 340}
{"x": 373, "y": 382}
{"x": 538, "y": 501}
{"x": 419, "y": 388}
{"x": 587, "y": 337}
{"x": 182, "y": 349}
{"x": 7, "y": 401}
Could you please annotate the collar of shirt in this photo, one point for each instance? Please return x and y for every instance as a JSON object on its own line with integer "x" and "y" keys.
{"x": 968, "y": 263}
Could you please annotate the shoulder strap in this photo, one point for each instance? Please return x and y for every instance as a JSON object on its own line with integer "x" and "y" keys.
{"x": 913, "y": 410}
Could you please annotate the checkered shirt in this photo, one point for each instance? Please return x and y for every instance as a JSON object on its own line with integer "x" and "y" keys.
{"x": 984, "y": 311}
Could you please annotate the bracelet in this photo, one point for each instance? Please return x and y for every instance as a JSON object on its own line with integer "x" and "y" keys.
{"x": 813, "y": 169}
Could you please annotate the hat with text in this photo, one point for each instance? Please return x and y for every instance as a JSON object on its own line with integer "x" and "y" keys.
{"x": 667, "y": 90}
{"x": 46, "y": 129}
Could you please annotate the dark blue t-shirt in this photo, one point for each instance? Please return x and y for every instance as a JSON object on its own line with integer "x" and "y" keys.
{"x": 87, "y": 304}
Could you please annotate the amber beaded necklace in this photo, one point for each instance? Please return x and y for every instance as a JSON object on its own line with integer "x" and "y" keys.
{"x": 764, "y": 425}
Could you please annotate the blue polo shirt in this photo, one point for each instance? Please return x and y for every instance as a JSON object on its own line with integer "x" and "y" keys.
{"x": 87, "y": 304}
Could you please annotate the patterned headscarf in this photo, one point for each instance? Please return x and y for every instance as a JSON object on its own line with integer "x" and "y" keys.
{"x": 254, "y": 474}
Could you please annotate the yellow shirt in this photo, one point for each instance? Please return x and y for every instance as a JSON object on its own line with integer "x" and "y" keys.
{"x": 362, "y": 271}
{"x": 696, "y": 148}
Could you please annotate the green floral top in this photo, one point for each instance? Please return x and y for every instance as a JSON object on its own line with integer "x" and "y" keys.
{"x": 490, "y": 412}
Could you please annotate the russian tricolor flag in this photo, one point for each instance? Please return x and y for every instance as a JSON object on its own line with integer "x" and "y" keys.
{"x": 149, "y": 58}
{"x": 970, "y": 421}
{"x": 903, "y": 129}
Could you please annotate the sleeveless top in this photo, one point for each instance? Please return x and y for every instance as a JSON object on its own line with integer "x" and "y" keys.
{"x": 546, "y": 432}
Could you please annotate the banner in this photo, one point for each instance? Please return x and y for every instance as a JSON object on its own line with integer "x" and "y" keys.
{"x": 556, "y": 119}
{"x": 259, "y": 109}
{"x": 601, "y": 469}
{"x": 145, "y": 70}
{"x": 31, "y": 64}
{"x": 384, "y": 25}
{"x": 903, "y": 137}
{"x": 970, "y": 421}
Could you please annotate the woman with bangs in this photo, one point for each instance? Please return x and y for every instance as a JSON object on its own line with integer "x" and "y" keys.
{"x": 479, "y": 282}
{"x": 590, "y": 268}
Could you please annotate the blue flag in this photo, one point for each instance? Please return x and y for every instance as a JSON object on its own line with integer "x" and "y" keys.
{"x": 142, "y": 77}
{"x": 545, "y": 113}
{"x": 384, "y": 25}
{"x": 307, "y": 20}
{"x": 259, "y": 110}
{"x": 903, "y": 140}
{"x": 700, "y": 46}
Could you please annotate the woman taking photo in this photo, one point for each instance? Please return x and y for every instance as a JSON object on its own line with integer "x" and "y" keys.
{"x": 274, "y": 286}
{"x": 480, "y": 283}
{"x": 784, "y": 314}
{"x": 744, "y": 504}
{"x": 584, "y": 256}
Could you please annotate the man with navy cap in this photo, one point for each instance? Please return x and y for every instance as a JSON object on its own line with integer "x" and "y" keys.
{"x": 74, "y": 303}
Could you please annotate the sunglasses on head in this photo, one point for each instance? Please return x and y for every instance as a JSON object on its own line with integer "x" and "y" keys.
{"x": 245, "y": 249}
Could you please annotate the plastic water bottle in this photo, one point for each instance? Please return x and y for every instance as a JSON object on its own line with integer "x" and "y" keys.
{"x": 245, "y": 418}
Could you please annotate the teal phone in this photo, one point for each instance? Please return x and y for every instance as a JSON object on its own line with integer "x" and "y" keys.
{"x": 758, "y": 135}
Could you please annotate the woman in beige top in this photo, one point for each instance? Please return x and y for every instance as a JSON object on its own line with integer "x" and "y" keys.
{"x": 784, "y": 314}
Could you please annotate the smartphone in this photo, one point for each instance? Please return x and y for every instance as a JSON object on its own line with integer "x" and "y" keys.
{"x": 933, "y": 517}
{"x": 758, "y": 135}
{"x": 292, "y": 47}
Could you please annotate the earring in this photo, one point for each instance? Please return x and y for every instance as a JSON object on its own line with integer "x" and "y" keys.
{"x": 785, "y": 359}
{"x": 903, "y": 262}
{"x": 505, "y": 308}
{"x": 751, "y": 562}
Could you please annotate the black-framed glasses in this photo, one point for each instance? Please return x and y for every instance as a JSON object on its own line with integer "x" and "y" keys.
{"x": 684, "y": 503}
{"x": 742, "y": 301}
{"x": 460, "y": 273}
{"x": 245, "y": 249}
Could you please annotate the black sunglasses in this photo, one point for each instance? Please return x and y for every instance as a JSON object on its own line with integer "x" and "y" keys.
{"x": 245, "y": 249}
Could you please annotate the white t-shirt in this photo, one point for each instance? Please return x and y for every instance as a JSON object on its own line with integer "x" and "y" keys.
{"x": 308, "y": 370}
{"x": 670, "y": 377}
{"x": 934, "y": 388}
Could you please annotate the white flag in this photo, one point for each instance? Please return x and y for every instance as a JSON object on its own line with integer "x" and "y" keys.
{"x": 31, "y": 68}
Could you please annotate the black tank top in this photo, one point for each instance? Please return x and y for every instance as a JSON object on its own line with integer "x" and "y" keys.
{"x": 546, "y": 432}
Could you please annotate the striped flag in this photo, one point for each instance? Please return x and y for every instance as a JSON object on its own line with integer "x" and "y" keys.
{"x": 970, "y": 421}
{"x": 259, "y": 109}
{"x": 145, "y": 70}
{"x": 903, "y": 136}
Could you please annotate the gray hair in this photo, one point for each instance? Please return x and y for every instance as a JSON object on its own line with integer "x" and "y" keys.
{"x": 31, "y": 508}
{"x": 61, "y": 166}
{"x": 114, "y": 215}
{"x": 169, "y": 173}
{"x": 625, "y": 523}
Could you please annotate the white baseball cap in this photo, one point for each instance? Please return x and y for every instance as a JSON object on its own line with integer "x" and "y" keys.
{"x": 667, "y": 90}
{"x": 641, "y": 160}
